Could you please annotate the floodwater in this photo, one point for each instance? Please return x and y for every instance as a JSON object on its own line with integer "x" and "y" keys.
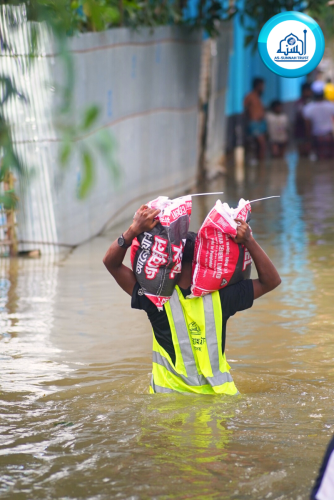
{"x": 77, "y": 421}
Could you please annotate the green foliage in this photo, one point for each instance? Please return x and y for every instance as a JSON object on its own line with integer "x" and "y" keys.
{"x": 91, "y": 145}
{"x": 210, "y": 14}
{"x": 8, "y": 199}
{"x": 87, "y": 174}
{"x": 106, "y": 146}
{"x": 154, "y": 13}
{"x": 90, "y": 117}
{"x": 65, "y": 152}
{"x": 56, "y": 13}
{"x": 99, "y": 15}
{"x": 9, "y": 159}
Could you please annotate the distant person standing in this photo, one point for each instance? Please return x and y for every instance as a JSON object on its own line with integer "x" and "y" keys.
{"x": 255, "y": 116}
{"x": 304, "y": 146}
{"x": 318, "y": 85}
{"x": 329, "y": 90}
{"x": 319, "y": 116}
{"x": 278, "y": 129}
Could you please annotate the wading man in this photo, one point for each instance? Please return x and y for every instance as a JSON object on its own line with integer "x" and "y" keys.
{"x": 186, "y": 324}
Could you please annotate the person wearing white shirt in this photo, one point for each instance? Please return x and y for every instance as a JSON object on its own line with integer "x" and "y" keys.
{"x": 278, "y": 129}
{"x": 319, "y": 116}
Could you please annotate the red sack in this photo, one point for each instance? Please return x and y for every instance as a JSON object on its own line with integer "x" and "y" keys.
{"x": 156, "y": 256}
{"x": 218, "y": 260}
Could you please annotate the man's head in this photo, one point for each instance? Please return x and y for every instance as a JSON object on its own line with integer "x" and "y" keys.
{"x": 276, "y": 107}
{"x": 306, "y": 91}
{"x": 318, "y": 96}
{"x": 258, "y": 85}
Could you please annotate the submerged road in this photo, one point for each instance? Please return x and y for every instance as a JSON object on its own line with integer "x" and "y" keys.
{"x": 76, "y": 420}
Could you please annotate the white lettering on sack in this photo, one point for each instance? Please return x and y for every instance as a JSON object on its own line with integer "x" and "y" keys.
{"x": 147, "y": 241}
{"x": 220, "y": 255}
{"x": 177, "y": 258}
{"x": 181, "y": 210}
{"x": 165, "y": 220}
{"x": 247, "y": 259}
{"x": 141, "y": 261}
{"x": 227, "y": 256}
{"x": 158, "y": 258}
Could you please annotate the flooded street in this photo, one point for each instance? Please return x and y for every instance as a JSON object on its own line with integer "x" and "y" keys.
{"x": 76, "y": 418}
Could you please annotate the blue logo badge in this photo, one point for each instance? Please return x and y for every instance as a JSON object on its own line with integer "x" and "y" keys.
{"x": 291, "y": 44}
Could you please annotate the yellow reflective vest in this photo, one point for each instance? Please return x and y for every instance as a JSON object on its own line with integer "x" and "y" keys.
{"x": 200, "y": 365}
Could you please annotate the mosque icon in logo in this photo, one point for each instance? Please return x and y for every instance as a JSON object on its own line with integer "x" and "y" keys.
{"x": 291, "y": 44}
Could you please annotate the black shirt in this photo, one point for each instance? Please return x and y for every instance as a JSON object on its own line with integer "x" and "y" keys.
{"x": 233, "y": 298}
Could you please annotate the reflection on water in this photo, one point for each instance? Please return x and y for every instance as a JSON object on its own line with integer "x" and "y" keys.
{"x": 76, "y": 419}
{"x": 28, "y": 356}
{"x": 297, "y": 293}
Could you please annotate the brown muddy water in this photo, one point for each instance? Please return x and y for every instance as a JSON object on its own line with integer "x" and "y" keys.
{"x": 76, "y": 419}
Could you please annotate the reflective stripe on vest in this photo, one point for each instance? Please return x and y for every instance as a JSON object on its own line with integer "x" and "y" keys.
{"x": 200, "y": 366}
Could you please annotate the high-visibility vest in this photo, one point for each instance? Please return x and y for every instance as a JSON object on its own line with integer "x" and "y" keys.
{"x": 200, "y": 365}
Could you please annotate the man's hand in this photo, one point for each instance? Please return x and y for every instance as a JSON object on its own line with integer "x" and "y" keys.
{"x": 243, "y": 232}
{"x": 268, "y": 276}
{"x": 144, "y": 220}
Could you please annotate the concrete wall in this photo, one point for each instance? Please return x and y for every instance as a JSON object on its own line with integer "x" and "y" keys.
{"x": 146, "y": 84}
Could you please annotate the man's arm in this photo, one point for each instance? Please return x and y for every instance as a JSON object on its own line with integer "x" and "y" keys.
{"x": 113, "y": 259}
{"x": 268, "y": 276}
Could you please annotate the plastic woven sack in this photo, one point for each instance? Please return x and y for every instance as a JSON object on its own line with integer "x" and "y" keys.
{"x": 218, "y": 260}
{"x": 156, "y": 256}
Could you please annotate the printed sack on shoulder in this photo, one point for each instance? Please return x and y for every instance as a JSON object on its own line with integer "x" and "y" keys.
{"x": 156, "y": 256}
{"x": 218, "y": 260}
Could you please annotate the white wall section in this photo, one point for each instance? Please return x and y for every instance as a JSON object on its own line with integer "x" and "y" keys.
{"x": 146, "y": 85}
